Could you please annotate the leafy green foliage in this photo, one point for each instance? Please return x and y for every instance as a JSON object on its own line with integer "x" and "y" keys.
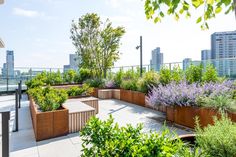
{"x": 157, "y": 10}
{"x": 37, "y": 81}
{"x": 210, "y": 75}
{"x": 69, "y": 76}
{"x": 48, "y": 98}
{"x": 118, "y": 77}
{"x": 194, "y": 73}
{"x": 80, "y": 91}
{"x": 221, "y": 102}
{"x": 97, "y": 43}
{"x": 96, "y": 82}
{"x": 149, "y": 80}
{"x": 218, "y": 140}
{"x": 130, "y": 84}
{"x": 104, "y": 138}
{"x": 165, "y": 76}
{"x": 54, "y": 78}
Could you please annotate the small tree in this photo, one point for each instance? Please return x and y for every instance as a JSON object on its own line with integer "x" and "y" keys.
{"x": 97, "y": 43}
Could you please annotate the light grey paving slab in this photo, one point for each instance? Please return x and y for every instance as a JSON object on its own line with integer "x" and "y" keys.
{"x": 58, "y": 147}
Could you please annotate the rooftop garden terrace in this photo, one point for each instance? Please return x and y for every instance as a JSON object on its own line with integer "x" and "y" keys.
{"x": 191, "y": 98}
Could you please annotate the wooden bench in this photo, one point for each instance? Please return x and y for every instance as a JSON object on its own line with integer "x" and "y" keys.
{"x": 105, "y": 93}
{"x": 79, "y": 114}
{"x": 91, "y": 101}
{"x": 116, "y": 94}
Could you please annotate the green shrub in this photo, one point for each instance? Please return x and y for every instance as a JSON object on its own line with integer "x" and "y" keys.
{"x": 38, "y": 81}
{"x": 210, "y": 75}
{"x": 177, "y": 74}
{"x": 165, "y": 76}
{"x": 54, "y": 78}
{"x": 96, "y": 83}
{"x": 106, "y": 139}
{"x": 48, "y": 99}
{"x": 80, "y": 91}
{"x": 222, "y": 103}
{"x": 69, "y": 76}
{"x": 131, "y": 74}
{"x": 85, "y": 74}
{"x": 118, "y": 77}
{"x": 130, "y": 84}
{"x": 149, "y": 80}
{"x": 194, "y": 73}
{"x": 218, "y": 140}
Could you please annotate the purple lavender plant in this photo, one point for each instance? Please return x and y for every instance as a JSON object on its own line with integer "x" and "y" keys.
{"x": 109, "y": 84}
{"x": 184, "y": 94}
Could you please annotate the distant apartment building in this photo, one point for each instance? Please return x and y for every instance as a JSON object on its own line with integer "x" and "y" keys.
{"x": 74, "y": 62}
{"x": 186, "y": 63}
{"x": 8, "y": 67}
{"x": 156, "y": 61}
{"x": 223, "y": 47}
{"x": 205, "y": 55}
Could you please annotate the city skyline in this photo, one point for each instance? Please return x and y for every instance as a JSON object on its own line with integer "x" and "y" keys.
{"x": 39, "y": 28}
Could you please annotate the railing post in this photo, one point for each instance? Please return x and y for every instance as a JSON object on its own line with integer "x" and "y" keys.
{"x": 16, "y": 111}
{"x": 19, "y": 92}
{"x": 5, "y": 133}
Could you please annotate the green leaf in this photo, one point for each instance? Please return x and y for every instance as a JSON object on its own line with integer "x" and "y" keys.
{"x": 196, "y": 3}
{"x": 211, "y": 2}
{"x": 199, "y": 20}
{"x": 218, "y": 10}
{"x": 181, "y": 11}
{"x": 157, "y": 19}
{"x": 176, "y": 17}
{"x": 162, "y": 14}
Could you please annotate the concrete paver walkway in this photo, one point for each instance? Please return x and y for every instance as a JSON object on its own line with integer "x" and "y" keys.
{"x": 23, "y": 144}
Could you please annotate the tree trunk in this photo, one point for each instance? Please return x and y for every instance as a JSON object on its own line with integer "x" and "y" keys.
{"x": 105, "y": 73}
{"x": 235, "y": 7}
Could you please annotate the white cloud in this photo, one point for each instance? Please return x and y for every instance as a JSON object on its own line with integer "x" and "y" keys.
{"x": 27, "y": 13}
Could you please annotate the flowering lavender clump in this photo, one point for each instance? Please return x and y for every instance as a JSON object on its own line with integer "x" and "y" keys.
{"x": 109, "y": 84}
{"x": 214, "y": 89}
{"x": 184, "y": 94}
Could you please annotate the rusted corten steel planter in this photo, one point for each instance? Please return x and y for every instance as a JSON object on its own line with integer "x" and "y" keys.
{"x": 126, "y": 95}
{"x": 134, "y": 97}
{"x": 49, "y": 124}
{"x": 138, "y": 98}
{"x": 186, "y": 115}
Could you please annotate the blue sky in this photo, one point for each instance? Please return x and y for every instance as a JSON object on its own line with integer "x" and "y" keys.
{"x": 39, "y": 31}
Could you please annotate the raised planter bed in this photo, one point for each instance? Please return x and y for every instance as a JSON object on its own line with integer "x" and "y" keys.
{"x": 49, "y": 124}
{"x": 138, "y": 98}
{"x": 126, "y": 95}
{"x": 186, "y": 115}
{"x": 134, "y": 97}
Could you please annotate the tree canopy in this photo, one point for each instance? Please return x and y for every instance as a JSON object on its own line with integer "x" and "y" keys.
{"x": 158, "y": 9}
{"x": 97, "y": 43}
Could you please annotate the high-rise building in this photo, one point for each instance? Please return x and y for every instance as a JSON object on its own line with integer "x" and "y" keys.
{"x": 223, "y": 47}
{"x": 157, "y": 59}
{"x": 205, "y": 55}
{"x": 74, "y": 62}
{"x": 8, "y": 67}
{"x": 186, "y": 63}
{"x": 206, "y": 58}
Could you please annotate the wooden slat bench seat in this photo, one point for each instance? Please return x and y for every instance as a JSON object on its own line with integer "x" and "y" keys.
{"x": 79, "y": 114}
{"x": 105, "y": 93}
{"x": 91, "y": 101}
